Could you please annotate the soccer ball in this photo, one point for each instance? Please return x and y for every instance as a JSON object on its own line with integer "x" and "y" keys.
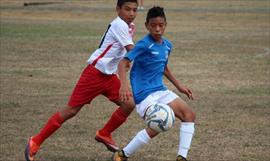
{"x": 159, "y": 117}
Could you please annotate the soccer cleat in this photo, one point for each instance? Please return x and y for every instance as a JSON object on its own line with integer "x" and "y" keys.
{"x": 119, "y": 156}
{"x": 180, "y": 158}
{"x": 107, "y": 141}
{"x": 31, "y": 150}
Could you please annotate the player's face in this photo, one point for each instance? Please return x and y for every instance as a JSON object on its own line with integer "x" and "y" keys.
{"x": 127, "y": 12}
{"x": 156, "y": 26}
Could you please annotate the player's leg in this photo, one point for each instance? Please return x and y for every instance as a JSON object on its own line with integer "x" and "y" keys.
{"x": 184, "y": 113}
{"x": 104, "y": 135}
{"x": 187, "y": 116}
{"x": 118, "y": 117}
{"x": 55, "y": 122}
{"x": 182, "y": 110}
{"x": 52, "y": 125}
{"x": 142, "y": 138}
{"x": 81, "y": 95}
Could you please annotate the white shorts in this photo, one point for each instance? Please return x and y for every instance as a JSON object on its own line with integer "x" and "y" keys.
{"x": 164, "y": 97}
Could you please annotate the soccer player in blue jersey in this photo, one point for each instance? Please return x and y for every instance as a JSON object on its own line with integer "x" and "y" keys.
{"x": 150, "y": 57}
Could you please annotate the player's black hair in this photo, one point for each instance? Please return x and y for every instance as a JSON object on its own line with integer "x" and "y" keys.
{"x": 154, "y": 12}
{"x": 121, "y": 2}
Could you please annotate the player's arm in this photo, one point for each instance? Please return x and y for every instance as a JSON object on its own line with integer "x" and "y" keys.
{"x": 123, "y": 68}
{"x": 177, "y": 84}
{"x": 125, "y": 65}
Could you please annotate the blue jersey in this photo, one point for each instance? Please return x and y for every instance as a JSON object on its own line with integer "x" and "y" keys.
{"x": 149, "y": 62}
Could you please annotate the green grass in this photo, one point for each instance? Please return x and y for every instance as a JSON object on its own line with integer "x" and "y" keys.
{"x": 221, "y": 51}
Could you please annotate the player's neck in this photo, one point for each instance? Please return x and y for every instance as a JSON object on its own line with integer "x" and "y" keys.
{"x": 124, "y": 20}
{"x": 157, "y": 40}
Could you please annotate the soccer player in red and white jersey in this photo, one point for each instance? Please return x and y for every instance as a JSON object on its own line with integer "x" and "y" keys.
{"x": 98, "y": 78}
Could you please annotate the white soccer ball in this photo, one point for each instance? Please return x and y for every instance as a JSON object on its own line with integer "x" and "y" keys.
{"x": 159, "y": 117}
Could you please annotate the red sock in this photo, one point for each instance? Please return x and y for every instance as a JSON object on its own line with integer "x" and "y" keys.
{"x": 118, "y": 118}
{"x": 50, "y": 127}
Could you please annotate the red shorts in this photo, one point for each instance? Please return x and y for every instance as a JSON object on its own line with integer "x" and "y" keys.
{"x": 93, "y": 83}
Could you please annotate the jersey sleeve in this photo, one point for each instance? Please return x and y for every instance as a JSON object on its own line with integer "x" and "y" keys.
{"x": 138, "y": 49}
{"x": 169, "y": 46}
{"x": 122, "y": 35}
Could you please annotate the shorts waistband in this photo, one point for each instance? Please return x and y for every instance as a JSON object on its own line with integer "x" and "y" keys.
{"x": 97, "y": 71}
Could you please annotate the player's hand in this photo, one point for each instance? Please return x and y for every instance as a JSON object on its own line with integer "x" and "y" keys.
{"x": 125, "y": 93}
{"x": 187, "y": 92}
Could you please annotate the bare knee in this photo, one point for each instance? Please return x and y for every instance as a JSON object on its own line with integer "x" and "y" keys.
{"x": 127, "y": 107}
{"x": 183, "y": 111}
{"x": 189, "y": 116}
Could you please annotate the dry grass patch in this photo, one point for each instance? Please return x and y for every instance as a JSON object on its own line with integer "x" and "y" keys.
{"x": 221, "y": 50}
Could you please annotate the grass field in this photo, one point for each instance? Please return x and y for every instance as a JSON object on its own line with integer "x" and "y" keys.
{"x": 221, "y": 51}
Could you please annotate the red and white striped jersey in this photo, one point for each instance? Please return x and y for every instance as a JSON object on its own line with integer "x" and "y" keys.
{"x": 112, "y": 46}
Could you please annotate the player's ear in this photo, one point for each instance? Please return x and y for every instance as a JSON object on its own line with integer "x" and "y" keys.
{"x": 146, "y": 25}
{"x": 117, "y": 9}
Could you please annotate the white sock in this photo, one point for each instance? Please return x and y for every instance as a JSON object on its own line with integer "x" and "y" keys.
{"x": 186, "y": 134}
{"x": 137, "y": 142}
